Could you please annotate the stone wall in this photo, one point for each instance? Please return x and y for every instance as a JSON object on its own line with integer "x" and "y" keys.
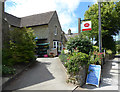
{"x": 41, "y": 32}
{"x": 64, "y": 40}
{"x": 80, "y": 78}
{"x": 54, "y": 22}
{"x": 5, "y": 33}
{"x": 1, "y": 5}
{"x": 1, "y": 11}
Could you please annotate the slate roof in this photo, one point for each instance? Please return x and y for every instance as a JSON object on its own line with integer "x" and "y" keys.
{"x": 38, "y": 19}
{"x": 12, "y": 20}
{"x": 33, "y": 20}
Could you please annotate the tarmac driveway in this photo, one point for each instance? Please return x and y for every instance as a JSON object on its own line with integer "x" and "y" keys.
{"x": 46, "y": 74}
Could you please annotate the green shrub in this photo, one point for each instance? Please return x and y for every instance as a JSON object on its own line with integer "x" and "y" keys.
{"x": 109, "y": 52}
{"x": 21, "y": 47}
{"x": 63, "y": 57}
{"x": 7, "y": 70}
{"x": 95, "y": 58}
{"x": 118, "y": 48}
{"x": 96, "y": 48}
{"x": 81, "y": 42}
{"x": 75, "y": 61}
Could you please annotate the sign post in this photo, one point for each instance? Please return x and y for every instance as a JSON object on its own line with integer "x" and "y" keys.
{"x": 100, "y": 39}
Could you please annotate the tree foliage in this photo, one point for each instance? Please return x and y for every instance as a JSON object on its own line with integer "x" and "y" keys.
{"x": 110, "y": 20}
{"x": 21, "y": 47}
{"x": 80, "y": 42}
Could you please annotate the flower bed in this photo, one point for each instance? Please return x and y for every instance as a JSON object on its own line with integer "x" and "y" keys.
{"x": 75, "y": 63}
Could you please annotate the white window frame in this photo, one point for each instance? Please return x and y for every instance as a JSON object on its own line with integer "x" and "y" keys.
{"x": 55, "y": 45}
{"x": 55, "y": 31}
{"x": 58, "y": 45}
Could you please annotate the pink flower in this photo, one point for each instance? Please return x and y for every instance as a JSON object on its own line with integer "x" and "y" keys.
{"x": 98, "y": 53}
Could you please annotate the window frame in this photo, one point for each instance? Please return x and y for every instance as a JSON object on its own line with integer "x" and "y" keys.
{"x": 56, "y": 30}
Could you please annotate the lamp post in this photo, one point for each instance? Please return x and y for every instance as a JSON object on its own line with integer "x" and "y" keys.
{"x": 100, "y": 39}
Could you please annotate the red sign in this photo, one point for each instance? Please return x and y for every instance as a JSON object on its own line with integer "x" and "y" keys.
{"x": 86, "y": 26}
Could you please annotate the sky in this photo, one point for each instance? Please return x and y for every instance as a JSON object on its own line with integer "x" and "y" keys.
{"x": 68, "y": 10}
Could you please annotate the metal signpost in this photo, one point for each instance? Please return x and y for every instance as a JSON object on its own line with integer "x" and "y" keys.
{"x": 94, "y": 76}
{"x": 100, "y": 39}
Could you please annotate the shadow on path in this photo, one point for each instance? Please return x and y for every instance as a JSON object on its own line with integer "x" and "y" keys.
{"x": 35, "y": 74}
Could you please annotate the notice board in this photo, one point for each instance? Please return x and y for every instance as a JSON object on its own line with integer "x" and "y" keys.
{"x": 93, "y": 76}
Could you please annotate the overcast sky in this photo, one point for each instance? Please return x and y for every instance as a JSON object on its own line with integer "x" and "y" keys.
{"x": 68, "y": 10}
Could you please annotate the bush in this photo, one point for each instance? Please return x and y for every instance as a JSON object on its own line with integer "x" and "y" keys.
{"x": 95, "y": 58}
{"x": 75, "y": 61}
{"x": 63, "y": 57}
{"x": 7, "y": 70}
{"x": 96, "y": 48}
{"x": 118, "y": 48}
{"x": 81, "y": 42}
{"x": 21, "y": 47}
{"x": 109, "y": 52}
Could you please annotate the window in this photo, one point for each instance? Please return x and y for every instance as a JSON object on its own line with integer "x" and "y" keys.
{"x": 54, "y": 44}
{"x": 55, "y": 30}
{"x": 58, "y": 45}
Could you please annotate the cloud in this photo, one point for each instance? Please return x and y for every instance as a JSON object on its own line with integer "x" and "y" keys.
{"x": 64, "y": 8}
{"x": 73, "y": 29}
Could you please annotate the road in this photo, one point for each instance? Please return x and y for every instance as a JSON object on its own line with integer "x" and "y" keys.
{"x": 46, "y": 74}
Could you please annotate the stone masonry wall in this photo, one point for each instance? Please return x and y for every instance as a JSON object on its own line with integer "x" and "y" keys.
{"x": 54, "y": 22}
{"x": 80, "y": 78}
{"x": 41, "y": 32}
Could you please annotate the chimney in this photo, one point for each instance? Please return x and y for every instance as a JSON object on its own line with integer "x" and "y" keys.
{"x": 69, "y": 32}
{"x": 79, "y": 25}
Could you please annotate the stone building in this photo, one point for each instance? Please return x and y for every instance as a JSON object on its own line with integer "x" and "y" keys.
{"x": 3, "y": 27}
{"x": 70, "y": 35}
{"x": 46, "y": 26}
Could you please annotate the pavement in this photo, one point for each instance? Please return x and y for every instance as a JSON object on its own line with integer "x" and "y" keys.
{"x": 46, "y": 74}
{"x": 110, "y": 77}
{"x": 49, "y": 74}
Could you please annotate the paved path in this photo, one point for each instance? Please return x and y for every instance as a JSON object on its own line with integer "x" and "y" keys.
{"x": 46, "y": 74}
{"x": 111, "y": 72}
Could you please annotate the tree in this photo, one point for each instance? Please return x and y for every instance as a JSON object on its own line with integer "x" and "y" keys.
{"x": 109, "y": 23}
{"x": 80, "y": 42}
